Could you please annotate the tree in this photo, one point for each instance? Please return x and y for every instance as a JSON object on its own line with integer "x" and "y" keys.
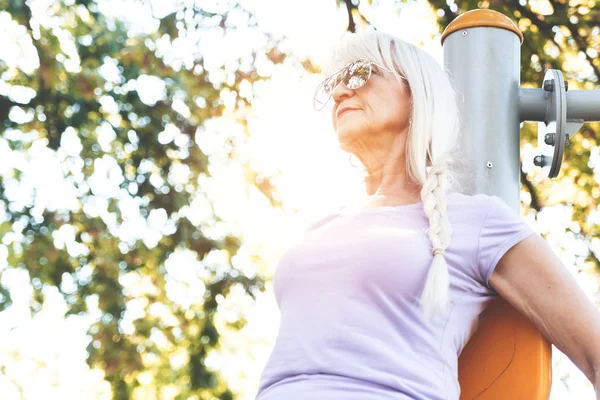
{"x": 133, "y": 168}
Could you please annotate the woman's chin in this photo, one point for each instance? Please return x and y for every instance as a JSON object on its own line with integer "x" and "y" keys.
{"x": 347, "y": 139}
{"x": 347, "y": 131}
{"x": 348, "y": 125}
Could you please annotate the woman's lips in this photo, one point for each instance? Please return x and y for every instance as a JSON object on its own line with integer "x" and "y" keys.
{"x": 344, "y": 111}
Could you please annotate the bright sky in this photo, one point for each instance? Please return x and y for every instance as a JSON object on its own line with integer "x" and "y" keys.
{"x": 287, "y": 135}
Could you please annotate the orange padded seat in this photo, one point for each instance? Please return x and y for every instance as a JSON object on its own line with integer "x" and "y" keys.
{"x": 506, "y": 359}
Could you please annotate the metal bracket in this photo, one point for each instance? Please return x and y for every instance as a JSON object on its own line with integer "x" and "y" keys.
{"x": 553, "y": 132}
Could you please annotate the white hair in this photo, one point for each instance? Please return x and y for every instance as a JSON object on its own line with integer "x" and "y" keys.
{"x": 433, "y": 159}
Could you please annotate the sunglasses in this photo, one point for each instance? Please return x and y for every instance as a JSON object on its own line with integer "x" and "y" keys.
{"x": 353, "y": 76}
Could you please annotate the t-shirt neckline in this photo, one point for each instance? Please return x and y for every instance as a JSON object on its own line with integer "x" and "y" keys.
{"x": 356, "y": 209}
{"x": 351, "y": 209}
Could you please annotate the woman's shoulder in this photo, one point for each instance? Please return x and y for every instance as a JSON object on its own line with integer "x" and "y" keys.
{"x": 474, "y": 200}
{"x": 471, "y": 208}
{"x": 480, "y": 209}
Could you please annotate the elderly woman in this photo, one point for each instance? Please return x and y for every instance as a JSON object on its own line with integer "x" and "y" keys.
{"x": 380, "y": 298}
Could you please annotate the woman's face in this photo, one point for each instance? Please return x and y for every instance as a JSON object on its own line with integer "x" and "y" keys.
{"x": 380, "y": 106}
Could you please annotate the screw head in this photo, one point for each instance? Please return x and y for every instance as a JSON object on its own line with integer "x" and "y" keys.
{"x": 549, "y": 85}
{"x": 539, "y": 161}
{"x": 549, "y": 139}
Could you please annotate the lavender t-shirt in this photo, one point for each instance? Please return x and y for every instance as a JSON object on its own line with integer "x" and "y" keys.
{"x": 351, "y": 327}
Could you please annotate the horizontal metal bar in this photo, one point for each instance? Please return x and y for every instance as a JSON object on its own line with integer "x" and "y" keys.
{"x": 533, "y": 104}
{"x": 582, "y": 105}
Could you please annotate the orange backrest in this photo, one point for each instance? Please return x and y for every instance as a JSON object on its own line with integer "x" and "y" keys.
{"x": 506, "y": 358}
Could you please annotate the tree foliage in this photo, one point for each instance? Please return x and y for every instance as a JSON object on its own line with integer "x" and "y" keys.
{"x": 126, "y": 158}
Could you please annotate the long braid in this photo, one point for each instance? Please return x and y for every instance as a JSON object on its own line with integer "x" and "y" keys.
{"x": 433, "y": 194}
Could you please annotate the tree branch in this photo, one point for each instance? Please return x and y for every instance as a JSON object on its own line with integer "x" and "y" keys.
{"x": 535, "y": 20}
{"x": 537, "y": 206}
{"x": 535, "y": 202}
{"x": 580, "y": 41}
{"x": 13, "y": 381}
{"x": 349, "y": 8}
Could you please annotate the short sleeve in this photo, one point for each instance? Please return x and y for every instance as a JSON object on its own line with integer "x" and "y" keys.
{"x": 502, "y": 228}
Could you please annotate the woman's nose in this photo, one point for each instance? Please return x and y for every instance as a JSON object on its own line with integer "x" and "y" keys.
{"x": 341, "y": 92}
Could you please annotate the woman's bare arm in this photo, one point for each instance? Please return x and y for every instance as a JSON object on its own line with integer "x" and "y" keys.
{"x": 535, "y": 282}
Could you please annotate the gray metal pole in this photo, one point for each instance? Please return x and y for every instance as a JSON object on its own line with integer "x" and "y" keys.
{"x": 482, "y": 56}
{"x": 484, "y": 64}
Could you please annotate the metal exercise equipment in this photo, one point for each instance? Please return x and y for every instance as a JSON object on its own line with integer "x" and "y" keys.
{"x": 507, "y": 357}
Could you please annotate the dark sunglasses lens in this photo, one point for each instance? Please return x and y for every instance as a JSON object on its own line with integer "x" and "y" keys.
{"x": 353, "y": 76}
{"x": 357, "y": 74}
